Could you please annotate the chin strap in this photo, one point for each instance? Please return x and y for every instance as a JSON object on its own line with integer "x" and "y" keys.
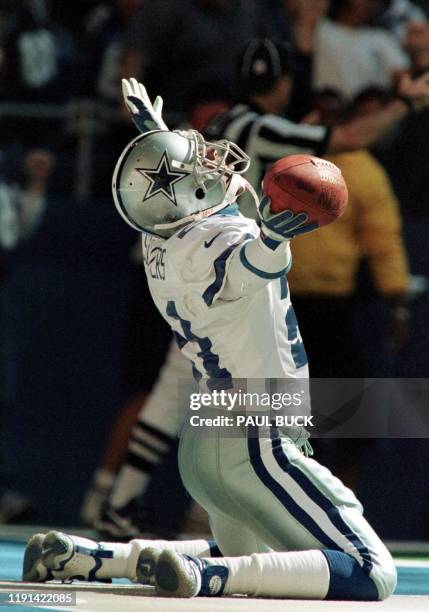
{"x": 190, "y": 218}
{"x": 248, "y": 187}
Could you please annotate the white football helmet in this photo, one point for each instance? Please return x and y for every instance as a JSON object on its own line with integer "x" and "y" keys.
{"x": 166, "y": 179}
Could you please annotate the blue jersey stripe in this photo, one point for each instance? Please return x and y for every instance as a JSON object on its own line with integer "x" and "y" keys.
{"x": 220, "y": 268}
{"x": 180, "y": 340}
{"x": 284, "y": 291}
{"x": 218, "y": 378}
{"x": 299, "y": 355}
{"x": 261, "y": 273}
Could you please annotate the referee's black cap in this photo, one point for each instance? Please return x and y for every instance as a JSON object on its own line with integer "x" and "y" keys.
{"x": 262, "y": 63}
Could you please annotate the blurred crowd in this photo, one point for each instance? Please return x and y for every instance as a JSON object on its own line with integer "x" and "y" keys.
{"x": 79, "y": 336}
{"x": 187, "y": 52}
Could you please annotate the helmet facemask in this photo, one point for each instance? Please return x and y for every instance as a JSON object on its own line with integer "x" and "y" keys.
{"x": 211, "y": 179}
{"x": 215, "y": 161}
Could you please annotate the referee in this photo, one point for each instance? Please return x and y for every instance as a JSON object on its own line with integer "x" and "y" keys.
{"x": 257, "y": 123}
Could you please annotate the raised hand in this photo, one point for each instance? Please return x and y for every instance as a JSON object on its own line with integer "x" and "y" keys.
{"x": 146, "y": 117}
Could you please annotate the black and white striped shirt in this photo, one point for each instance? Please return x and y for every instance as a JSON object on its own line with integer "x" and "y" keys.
{"x": 266, "y": 137}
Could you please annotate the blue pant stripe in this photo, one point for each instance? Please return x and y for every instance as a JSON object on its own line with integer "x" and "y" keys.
{"x": 286, "y": 500}
{"x": 320, "y": 499}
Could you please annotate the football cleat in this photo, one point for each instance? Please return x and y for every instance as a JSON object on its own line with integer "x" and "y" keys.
{"x": 69, "y": 558}
{"x": 94, "y": 500}
{"x": 178, "y": 575}
{"x": 133, "y": 521}
{"x": 122, "y": 524}
{"x": 14, "y": 508}
{"x": 33, "y": 569}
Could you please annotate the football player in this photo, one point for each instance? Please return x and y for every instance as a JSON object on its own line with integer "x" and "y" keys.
{"x": 258, "y": 124}
{"x": 286, "y": 527}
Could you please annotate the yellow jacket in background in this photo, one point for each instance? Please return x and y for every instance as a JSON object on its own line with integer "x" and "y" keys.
{"x": 326, "y": 262}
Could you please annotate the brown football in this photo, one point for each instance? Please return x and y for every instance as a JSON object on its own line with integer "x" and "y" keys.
{"x": 304, "y": 183}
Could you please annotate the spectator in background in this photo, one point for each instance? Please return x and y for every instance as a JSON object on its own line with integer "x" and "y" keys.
{"x": 416, "y": 44}
{"x": 396, "y": 15}
{"x": 347, "y": 332}
{"x": 305, "y": 18}
{"x": 370, "y": 100}
{"x": 101, "y": 43}
{"x": 38, "y": 57}
{"x": 324, "y": 287}
{"x": 62, "y": 287}
{"x": 176, "y": 45}
{"x": 38, "y": 65}
{"x": 21, "y": 208}
{"x": 404, "y": 154}
{"x": 257, "y": 126}
{"x": 295, "y": 22}
{"x": 350, "y": 54}
{"x": 105, "y": 27}
{"x": 21, "y": 211}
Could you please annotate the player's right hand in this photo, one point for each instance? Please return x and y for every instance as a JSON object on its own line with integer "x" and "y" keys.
{"x": 278, "y": 227}
{"x": 146, "y": 117}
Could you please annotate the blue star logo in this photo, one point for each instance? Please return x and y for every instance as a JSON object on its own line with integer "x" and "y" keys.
{"x": 162, "y": 179}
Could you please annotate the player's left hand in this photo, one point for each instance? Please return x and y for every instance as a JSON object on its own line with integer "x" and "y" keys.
{"x": 278, "y": 227}
{"x": 146, "y": 116}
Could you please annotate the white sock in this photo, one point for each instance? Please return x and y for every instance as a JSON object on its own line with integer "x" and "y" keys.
{"x": 114, "y": 567}
{"x": 124, "y": 560}
{"x": 95, "y": 496}
{"x": 130, "y": 483}
{"x": 300, "y": 575}
{"x": 103, "y": 479}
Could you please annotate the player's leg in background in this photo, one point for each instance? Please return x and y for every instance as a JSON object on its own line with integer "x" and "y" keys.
{"x": 146, "y": 342}
{"x": 151, "y": 440}
{"x": 291, "y": 503}
{"x": 114, "y": 455}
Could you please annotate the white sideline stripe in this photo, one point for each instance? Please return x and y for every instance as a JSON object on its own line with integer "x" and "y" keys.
{"x": 313, "y": 510}
{"x": 408, "y": 546}
{"x": 411, "y": 563}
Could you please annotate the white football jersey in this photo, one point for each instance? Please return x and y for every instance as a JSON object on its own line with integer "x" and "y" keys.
{"x": 255, "y": 336}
